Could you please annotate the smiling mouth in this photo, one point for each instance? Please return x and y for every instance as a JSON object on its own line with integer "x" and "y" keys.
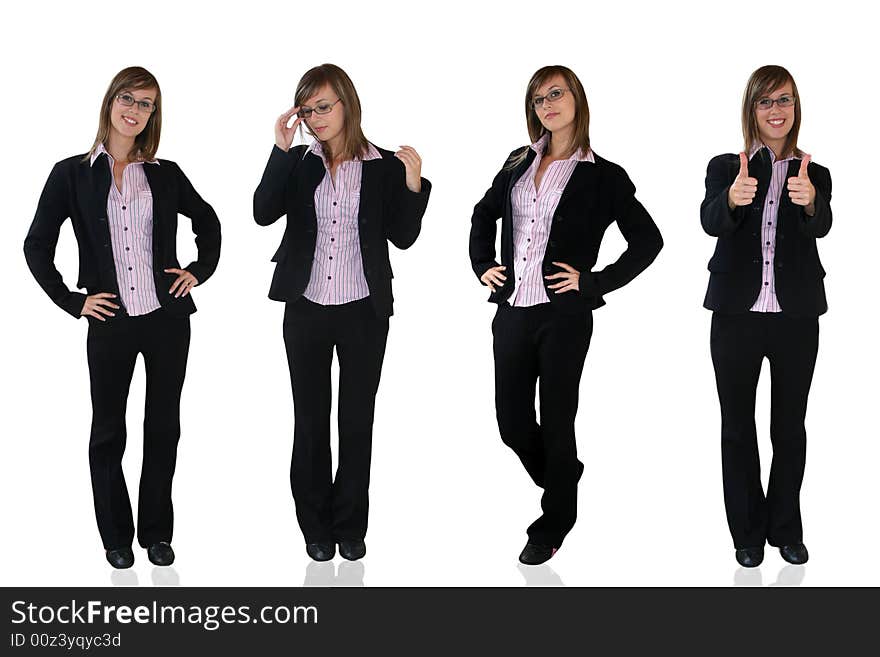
{"x": 129, "y": 121}
{"x": 776, "y": 123}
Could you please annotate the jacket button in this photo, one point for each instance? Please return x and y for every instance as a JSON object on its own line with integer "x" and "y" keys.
{"x": 547, "y": 269}
{"x": 102, "y": 218}
{"x": 551, "y": 243}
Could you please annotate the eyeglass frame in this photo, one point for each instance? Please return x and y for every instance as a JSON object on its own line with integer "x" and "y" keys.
{"x": 134, "y": 101}
{"x": 775, "y": 101}
{"x": 538, "y": 101}
{"x": 307, "y": 112}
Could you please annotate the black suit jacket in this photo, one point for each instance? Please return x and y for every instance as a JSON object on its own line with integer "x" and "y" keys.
{"x": 79, "y": 190}
{"x": 596, "y": 195}
{"x": 737, "y": 265}
{"x": 389, "y": 211}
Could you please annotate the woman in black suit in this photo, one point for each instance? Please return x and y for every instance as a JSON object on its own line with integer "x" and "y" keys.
{"x": 767, "y": 206}
{"x": 555, "y": 199}
{"x": 345, "y": 199}
{"x": 123, "y": 203}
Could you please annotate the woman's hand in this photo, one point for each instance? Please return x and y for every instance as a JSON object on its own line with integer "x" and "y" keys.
{"x": 493, "y": 277}
{"x": 284, "y": 135}
{"x": 98, "y": 305}
{"x": 570, "y": 278}
{"x": 801, "y": 190}
{"x": 413, "y": 164}
{"x": 183, "y": 283}
{"x": 744, "y": 188}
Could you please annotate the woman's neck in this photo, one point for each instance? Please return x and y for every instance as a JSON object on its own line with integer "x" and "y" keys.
{"x": 559, "y": 145}
{"x": 119, "y": 147}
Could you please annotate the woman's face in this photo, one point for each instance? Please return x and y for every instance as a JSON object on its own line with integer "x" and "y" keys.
{"x": 326, "y": 127}
{"x": 128, "y": 121}
{"x": 775, "y": 123}
{"x": 558, "y": 114}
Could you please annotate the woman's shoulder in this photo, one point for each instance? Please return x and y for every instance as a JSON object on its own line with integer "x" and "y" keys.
{"x": 724, "y": 159}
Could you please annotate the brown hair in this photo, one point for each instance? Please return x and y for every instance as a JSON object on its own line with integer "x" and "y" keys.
{"x": 762, "y": 82}
{"x": 354, "y": 144}
{"x": 147, "y": 142}
{"x": 581, "y": 137}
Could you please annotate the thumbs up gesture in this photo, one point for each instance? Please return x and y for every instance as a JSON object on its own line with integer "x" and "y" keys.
{"x": 800, "y": 189}
{"x": 744, "y": 188}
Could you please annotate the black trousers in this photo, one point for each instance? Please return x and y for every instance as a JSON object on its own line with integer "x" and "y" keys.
{"x": 739, "y": 344}
{"x": 112, "y": 348}
{"x": 532, "y": 344}
{"x": 327, "y": 508}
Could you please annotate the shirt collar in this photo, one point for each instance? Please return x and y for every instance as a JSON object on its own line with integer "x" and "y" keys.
{"x": 759, "y": 145}
{"x": 100, "y": 150}
{"x": 372, "y": 153}
{"x": 578, "y": 156}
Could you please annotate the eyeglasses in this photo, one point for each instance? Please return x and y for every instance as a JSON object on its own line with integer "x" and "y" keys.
{"x": 128, "y": 100}
{"x": 323, "y": 108}
{"x": 553, "y": 96}
{"x": 767, "y": 103}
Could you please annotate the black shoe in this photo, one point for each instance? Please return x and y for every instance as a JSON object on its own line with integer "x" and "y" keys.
{"x": 321, "y": 551}
{"x": 750, "y": 557}
{"x": 120, "y": 558}
{"x": 352, "y": 549}
{"x": 796, "y": 553}
{"x": 160, "y": 554}
{"x": 534, "y": 554}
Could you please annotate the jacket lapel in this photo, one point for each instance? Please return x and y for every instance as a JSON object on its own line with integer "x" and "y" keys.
{"x": 370, "y": 180}
{"x": 584, "y": 174}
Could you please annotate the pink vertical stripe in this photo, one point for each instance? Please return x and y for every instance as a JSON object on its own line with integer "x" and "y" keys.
{"x": 767, "y": 301}
{"x": 130, "y": 220}
{"x": 337, "y": 267}
{"x": 533, "y": 211}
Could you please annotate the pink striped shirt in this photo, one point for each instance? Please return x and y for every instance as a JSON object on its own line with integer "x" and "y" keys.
{"x": 130, "y": 219}
{"x": 767, "y": 301}
{"x": 532, "y": 217}
{"x": 337, "y": 268}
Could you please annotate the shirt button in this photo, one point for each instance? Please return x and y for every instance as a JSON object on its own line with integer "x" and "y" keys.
{"x": 334, "y": 202}
{"x": 766, "y": 283}
{"x": 528, "y": 239}
{"x": 329, "y": 277}
{"x": 771, "y": 202}
{"x": 333, "y": 239}
{"x": 126, "y": 228}
{"x": 331, "y": 257}
{"x": 768, "y": 243}
{"x": 132, "y": 289}
{"x": 766, "y": 262}
{"x": 127, "y": 249}
{"x": 334, "y": 221}
{"x": 524, "y": 259}
{"x": 123, "y": 207}
{"x": 534, "y": 200}
{"x": 769, "y": 223}
{"x": 129, "y": 269}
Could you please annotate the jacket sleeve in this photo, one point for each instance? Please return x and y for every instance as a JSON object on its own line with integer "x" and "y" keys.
{"x": 42, "y": 238}
{"x": 205, "y": 226}
{"x": 484, "y": 224}
{"x": 820, "y": 223}
{"x": 715, "y": 214}
{"x": 272, "y": 191}
{"x": 642, "y": 237}
{"x": 404, "y": 224}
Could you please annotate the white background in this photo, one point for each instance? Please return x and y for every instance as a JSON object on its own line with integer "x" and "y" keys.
{"x": 449, "y": 502}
